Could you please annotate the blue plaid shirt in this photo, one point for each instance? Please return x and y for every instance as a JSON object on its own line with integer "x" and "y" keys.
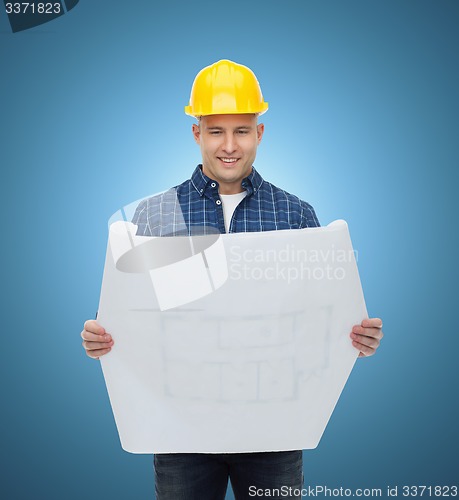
{"x": 195, "y": 207}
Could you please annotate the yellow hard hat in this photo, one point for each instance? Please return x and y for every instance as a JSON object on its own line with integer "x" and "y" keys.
{"x": 225, "y": 88}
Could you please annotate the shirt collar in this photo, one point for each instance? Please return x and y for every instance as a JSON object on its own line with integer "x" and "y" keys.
{"x": 251, "y": 183}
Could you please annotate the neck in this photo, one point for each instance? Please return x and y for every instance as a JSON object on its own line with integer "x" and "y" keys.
{"x": 230, "y": 190}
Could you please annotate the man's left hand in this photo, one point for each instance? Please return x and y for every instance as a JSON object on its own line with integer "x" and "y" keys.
{"x": 367, "y": 336}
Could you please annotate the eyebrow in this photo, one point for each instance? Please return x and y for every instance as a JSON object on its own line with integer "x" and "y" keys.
{"x": 241, "y": 127}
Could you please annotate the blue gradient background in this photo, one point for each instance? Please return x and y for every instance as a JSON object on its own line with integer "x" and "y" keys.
{"x": 363, "y": 124}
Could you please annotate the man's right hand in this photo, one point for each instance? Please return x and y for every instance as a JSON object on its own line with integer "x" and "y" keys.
{"x": 96, "y": 341}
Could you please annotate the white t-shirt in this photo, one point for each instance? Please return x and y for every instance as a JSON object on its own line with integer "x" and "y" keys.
{"x": 229, "y": 203}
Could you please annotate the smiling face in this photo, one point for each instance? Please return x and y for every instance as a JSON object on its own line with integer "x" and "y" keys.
{"x": 228, "y": 147}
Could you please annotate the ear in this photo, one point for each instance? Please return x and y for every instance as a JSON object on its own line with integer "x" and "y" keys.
{"x": 260, "y": 130}
{"x": 196, "y": 133}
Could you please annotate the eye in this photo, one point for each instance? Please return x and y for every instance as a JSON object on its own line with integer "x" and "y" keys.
{"x": 215, "y": 132}
{"x": 242, "y": 132}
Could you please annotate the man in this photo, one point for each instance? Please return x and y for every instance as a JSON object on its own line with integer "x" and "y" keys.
{"x": 226, "y": 193}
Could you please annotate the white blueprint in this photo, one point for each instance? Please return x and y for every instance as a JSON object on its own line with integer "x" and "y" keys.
{"x": 228, "y": 343}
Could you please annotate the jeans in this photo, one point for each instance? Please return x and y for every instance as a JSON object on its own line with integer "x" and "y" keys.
{"x": 202, "y": 476}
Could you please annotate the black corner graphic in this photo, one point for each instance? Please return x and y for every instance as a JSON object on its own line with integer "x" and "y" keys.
{"x": 26, "y": 15}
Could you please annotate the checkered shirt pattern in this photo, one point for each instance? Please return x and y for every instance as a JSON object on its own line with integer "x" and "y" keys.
{"x": 195, "y": 207}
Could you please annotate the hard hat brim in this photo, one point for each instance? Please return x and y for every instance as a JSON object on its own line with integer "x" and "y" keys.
{"x": 189, "y": 111}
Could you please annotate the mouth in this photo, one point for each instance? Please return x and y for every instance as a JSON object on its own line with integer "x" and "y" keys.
{"x": 228, "y": 161}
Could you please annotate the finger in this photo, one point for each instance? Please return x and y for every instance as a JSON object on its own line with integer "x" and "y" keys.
{"x": 367, "y": 341}
{"x": 374, "y": 332}
{"x": 93, "y": 337}
{"x": 97, "y": 353}
{"x": 92, "y": 326}
{"x": 372, "y": 323}
{"x": 364, "y": 349}
{"x": 92, "y": 346}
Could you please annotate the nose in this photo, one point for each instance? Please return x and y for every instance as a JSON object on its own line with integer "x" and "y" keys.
{"x": 229, "y": 144}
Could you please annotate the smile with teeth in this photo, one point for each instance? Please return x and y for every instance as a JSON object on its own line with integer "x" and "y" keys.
{"x": 228, "y": 160}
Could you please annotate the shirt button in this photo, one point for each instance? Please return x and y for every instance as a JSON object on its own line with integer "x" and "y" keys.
{"x": 213, "y": 184}
{"x": 201, "y": 190}
{"x": 218, "y": 202}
